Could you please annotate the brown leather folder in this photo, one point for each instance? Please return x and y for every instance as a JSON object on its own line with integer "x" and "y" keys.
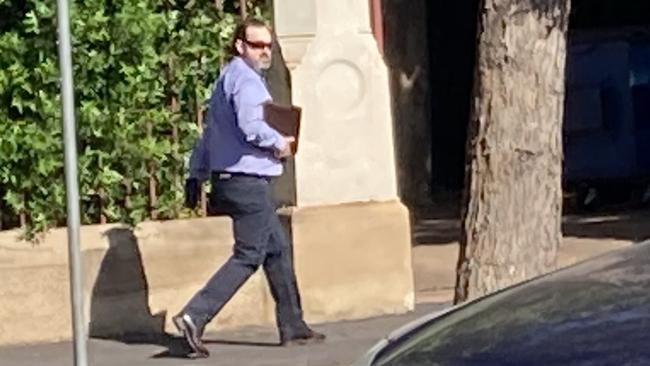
{"x": 285, "y": 119}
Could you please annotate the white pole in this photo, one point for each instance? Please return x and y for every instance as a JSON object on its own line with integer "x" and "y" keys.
{"x": 72, "y": 185}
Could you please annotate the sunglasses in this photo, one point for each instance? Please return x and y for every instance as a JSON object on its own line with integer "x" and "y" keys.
{"x": 258, "y": 45}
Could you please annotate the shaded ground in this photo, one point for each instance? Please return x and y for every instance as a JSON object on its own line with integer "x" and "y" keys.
{"x": 442, "y": 226}
{"x": 436, "y": 233}
{"x": 347, "y": 342}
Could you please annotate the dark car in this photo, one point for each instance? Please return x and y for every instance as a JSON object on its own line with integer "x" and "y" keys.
{"x": 594, "y": 313}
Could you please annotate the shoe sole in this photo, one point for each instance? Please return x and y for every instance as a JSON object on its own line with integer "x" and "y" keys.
{"x": 190, "y": 336}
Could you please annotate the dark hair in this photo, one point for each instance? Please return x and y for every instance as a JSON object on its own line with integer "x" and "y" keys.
{"x": 240, "y": 34}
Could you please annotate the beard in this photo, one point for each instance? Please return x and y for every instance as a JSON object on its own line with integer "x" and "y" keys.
{"x": 264, "y": 63}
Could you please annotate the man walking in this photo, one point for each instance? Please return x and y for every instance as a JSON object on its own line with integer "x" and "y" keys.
{"x": 239, "y": 152}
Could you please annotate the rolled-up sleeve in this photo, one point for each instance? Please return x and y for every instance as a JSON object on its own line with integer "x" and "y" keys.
{"x": 249, "y": 98}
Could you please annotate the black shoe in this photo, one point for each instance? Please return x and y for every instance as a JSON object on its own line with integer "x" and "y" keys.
{"x": 192, "y": 334}
{"x": 310, "y": 338}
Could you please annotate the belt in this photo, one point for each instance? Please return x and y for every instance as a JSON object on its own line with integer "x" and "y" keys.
{"x": 227, "y": 175}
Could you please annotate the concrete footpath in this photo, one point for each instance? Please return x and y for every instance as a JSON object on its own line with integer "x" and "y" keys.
{"x": 346, "y": 343}
{"x": 434, "y": 257}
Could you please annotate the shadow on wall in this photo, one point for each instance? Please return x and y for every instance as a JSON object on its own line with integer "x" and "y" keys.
{"x": 120, "y": 302}
{"x": 278, "y": 79}
{"x": 407, "y": 59}
{"x": 120, "y": 297}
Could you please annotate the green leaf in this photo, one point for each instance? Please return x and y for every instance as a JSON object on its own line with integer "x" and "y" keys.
{"x": 129, "y": 60}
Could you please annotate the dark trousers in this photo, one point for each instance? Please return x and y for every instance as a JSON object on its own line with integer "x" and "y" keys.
{"x": 259, "y": 240}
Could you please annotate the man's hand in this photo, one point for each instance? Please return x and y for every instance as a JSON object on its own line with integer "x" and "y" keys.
{"x": 287, "y": 151}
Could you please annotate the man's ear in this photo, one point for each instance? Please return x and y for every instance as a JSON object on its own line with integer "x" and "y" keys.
{"x": 239, "y": 45}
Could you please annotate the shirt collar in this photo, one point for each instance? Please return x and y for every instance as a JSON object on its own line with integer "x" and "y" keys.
{"x": 239, "y": 61}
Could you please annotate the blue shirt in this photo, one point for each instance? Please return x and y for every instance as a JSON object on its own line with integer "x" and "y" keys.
{"x": 236, "y": 138}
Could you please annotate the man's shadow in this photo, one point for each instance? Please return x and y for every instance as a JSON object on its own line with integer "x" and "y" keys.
{"x": 119, "y": 309}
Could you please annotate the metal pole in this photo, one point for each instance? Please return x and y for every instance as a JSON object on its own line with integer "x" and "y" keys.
{"x": 72, "y": 188}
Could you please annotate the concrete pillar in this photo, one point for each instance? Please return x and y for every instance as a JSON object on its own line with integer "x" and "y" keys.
{"x": 295, "y": 26}
{"x": 345, "y": 179}
{"x": 339, "y": 78}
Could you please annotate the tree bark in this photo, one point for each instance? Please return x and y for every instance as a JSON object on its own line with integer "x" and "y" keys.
{"x": 513, "y": 194}
{"x": 199, "y": 122}
{"x": 242, "y": 9}
{"x": 153, "y": 198}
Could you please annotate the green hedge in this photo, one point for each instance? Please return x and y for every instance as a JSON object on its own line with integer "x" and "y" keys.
{"x": 142, "y": 69}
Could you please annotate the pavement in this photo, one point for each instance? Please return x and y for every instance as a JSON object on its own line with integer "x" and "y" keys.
{"x": 435, "y": 253}
{"x": 346, "y": 343}
{"x": 435, "y": 250}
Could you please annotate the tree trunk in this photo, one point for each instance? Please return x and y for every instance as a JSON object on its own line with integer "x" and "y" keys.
{"x": 242, "y": 9}
{"x": 153, "y": 198}
{"x": 199, "y": 122}
{"x": 513, "y": 194}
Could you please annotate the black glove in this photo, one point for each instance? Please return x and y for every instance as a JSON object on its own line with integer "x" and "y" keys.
{"x": 192, "y": 191}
